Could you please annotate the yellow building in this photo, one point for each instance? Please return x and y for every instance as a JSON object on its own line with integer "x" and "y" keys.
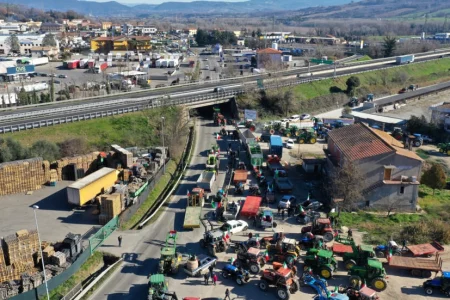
{"x": 106, "y": 25}
{"x": 121, "y": 43}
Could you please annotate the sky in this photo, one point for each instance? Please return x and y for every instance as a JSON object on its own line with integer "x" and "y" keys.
{"x": 159, "y": 1}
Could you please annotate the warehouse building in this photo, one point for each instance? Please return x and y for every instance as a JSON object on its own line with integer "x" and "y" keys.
{"x": 27, "y": 43}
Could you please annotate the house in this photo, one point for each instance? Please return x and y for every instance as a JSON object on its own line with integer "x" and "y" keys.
{"x": 44, "y": 51}
{"x": 106, "y": 25}
{"x": 129, "y": 29}
{"x": 313, "y": 165}
{"x": 268, "y": 58}
{"x": 52, "y": 27}
{"x": 241, "y": 42}
{"x": 390, "y": 174}
{"x": 120, "y": 43}
{"x": 27, "y": 42}
{"x": 440, "y": 115}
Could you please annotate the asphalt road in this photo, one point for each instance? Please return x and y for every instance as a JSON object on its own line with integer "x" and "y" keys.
{"x": 130, "y": 282}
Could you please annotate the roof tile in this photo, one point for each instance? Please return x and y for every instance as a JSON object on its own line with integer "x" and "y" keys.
{"x": 269, "y": 51}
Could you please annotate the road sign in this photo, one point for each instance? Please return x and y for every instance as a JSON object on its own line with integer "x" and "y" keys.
{"x": 322, "y": 61}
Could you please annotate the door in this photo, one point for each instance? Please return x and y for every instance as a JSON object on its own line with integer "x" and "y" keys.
{"x": 387, "y": 174}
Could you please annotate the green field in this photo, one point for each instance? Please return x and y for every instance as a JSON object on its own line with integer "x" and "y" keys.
{"x": 361, "y": 59}
{"x": 382, "y": 81}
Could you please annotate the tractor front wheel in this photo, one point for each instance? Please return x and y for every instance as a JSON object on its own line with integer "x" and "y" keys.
{"x": 263, "y": 285}
{"x": 328, "y": 237}
{"x": 429, "y": 291}
{"x": 274, "y": 224}
{"x": 301, "y": 141}
{"x": 349, "y": 264}
{"x": 254, "y": 268}
{"x": 283, "y": 294}
{"x": 239, "y": 281}
{"x": 312, "y": 141}
{"x": 379, "y": 284}
{"x": 326, "y": 272}
{"x": 355, "y": 281}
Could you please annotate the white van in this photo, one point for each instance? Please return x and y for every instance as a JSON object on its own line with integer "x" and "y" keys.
{"x": 294, "y": 118}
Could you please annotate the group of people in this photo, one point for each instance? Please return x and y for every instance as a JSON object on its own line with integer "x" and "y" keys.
{"x": 213, "y": 276}
{"x": 289, "y": 210}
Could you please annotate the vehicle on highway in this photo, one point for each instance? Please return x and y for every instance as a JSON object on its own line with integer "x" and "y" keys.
{"x": 290, "y": 143}
{"x": 286, "y": 201}
{"x": 207, "y": 67}
{"x": 294, "y": 118}
{"x": 160, "y": 85}
{"x": 219, "y": 90}
{"x": 62, "y": 76}
{"x": 43, "y": 74}
{"x": 305, "y": 117}
{"x": 402, "y": 91}
{"x": 234, "y": 226}
{"x": 52, "y": 75}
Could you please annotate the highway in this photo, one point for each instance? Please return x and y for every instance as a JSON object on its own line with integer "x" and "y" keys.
{"x": 100, "y": 105}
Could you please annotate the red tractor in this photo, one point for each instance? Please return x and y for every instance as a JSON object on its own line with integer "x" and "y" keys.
{"x": 321, "y": 226}
{"x": 283, "y": 279}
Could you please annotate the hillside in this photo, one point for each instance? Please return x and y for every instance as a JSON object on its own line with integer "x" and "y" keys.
{"x": 195, "y": 7}
{"x": 373, "y": 9}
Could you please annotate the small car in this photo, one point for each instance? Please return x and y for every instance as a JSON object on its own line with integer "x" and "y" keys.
{"x": 305, "y": 117}
{"x": 402, "y": 91}
{"x": 62, "y": 76}
{"x": 234, "y": 226}
{"x": 290, "y": 143}
{"x": 286, "y": 201}
{"x": 294, "y": 118}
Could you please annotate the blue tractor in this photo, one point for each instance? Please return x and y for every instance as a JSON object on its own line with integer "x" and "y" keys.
{"x": 441, "y": 283}
{"x": 239, "y": 275}
{"x": 382, "y": 251}
{"x": 320, "y": 286}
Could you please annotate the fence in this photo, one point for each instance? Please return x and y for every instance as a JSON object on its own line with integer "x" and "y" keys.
{"x": 95, "y": 241}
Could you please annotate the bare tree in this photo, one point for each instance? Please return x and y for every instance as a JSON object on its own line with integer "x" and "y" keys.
{"x": 345, "y": 183}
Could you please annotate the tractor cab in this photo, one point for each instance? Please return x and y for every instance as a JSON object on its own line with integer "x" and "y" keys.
{"x": 289, "y": 245}
{"x": 157, "y": 287}
{"x": 170, "y": 259}
{"x": 196, "y": 197}
{"x": 265, "y": 219}
{"x": 241, "y": 166}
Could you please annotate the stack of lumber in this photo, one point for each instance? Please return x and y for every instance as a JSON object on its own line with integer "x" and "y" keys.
{"x": 23, "y": 175}
{"x": 111, "y": 206}
{"x": 83, "y": 164}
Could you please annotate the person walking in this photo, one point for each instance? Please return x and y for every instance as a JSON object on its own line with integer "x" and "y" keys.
{"x": 214, "y": 278}
{"x": 227, "y": 294}
{"x": 279, "y": 210}
{"x": 282, "y": 214}
{"x": 206, "y": 277}
{"x": 211, "y": 269}
{"x": 120, "y": 240}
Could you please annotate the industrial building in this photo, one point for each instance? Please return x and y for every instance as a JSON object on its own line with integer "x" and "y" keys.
{"x": 27, "y": 43}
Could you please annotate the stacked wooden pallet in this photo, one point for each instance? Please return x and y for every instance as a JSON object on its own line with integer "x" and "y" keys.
{"x": 82, "y": 164}
{"x": 111, "y": 206}
{"x": 23, "y": 175}
{"x": 53, "y": 175}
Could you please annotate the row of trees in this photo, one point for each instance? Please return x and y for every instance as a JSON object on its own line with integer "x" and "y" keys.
{"x": 24, "y": 14}
{"x": 205, "y": 37}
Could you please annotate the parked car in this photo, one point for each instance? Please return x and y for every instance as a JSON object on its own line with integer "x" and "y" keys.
{"x": 290, "y": 143}
{"x": 62, "y": 76}
{"x": 402, "y": 91}
{"x": 286, "y": 201}
{"x": 234, "y": 226}
{"x": 294, "y": 118}
{"x": 311, "y": 204}
{"x": 305, "y": 117}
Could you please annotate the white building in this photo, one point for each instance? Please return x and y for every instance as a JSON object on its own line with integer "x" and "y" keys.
{"x": 442, "y": 36}
{"x": 27, "y": 42}
{"x": 12, "y": 27}
{"x": 129, "y": 29}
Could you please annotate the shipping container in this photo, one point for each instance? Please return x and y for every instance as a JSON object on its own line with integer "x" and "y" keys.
{"x": 251, "y": 206}
{"x": 100, "y": 67}
{"x": 83, "y": 63}
{"x": 39, "y": 61}
{"x": 73, "y": 64}
{"x": 405, "y": 59}
{"x": 276, "y": 145}
{"x": 91, "y": 63}
{"x": 86, "y": 189}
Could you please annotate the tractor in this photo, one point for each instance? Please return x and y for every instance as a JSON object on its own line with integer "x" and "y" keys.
{"x": 285, "y": 250}
{"x": 292, "y": 131}
{"x": 321, "y": 226}
{"x": 264, "y": 220}
{"x": 283, "y": 280}
{"x": 444, "y": 148}
{"x": 440, "y": 283}
{"x": 215, "y": 150}
{"x": 253, "y": 260}
{"x": 307, "y": 136}
{"x": 158, "y": 288}
{"x": 321, "y": 262}
{"x": 372, "y": 273}
{"x": 170, "y": 259}
{"x": 353, "y": 102}
{"x": 215, "y": 241}
{"x": 359, "y": 257}
{"x": 397, "y": 133}
{"x": 197, "y": 197}
{"x": 212, "y": 163}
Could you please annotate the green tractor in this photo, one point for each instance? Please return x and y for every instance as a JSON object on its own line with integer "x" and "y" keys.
{"x": 292, "y": 131}
{"x": 321, "y": 262}
{"x": 372, "y": 273}
{"x": 170, "y": 259}
{"x": 212, "y": 162}
{"x": 444, "y": 148}
{"x": 158, "y": 288}
{"x": 307, "y": 136}
{"x": 359, "y": 257}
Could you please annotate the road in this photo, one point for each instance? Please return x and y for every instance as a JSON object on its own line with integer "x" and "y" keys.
{"x": 130, "y": 282}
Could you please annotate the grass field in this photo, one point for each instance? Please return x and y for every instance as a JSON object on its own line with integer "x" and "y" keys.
{"x": 364, "y": 58}
{"x": 383, "y": 81}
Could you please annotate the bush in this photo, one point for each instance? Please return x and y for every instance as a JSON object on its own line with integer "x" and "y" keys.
{"x": 426, "y": 231}
{"x": 45, "y": 149}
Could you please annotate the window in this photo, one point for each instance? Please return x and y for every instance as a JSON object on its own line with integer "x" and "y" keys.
{"x": 402, "y": 190}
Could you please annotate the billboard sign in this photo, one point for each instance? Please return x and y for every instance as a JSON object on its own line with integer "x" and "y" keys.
{"x": 250, "y": 114}
{"x": 20, "y": 70}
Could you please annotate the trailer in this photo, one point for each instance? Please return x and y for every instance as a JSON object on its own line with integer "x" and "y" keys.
{"x": 404, "y": 59}
{"x": 276, "y": 146}
{"x": 32, "y": 87}
{"x": 251, "y": 206}
{"x": 72, "y": 64}
{"x": 246, "y": 136}
{"x": 204, "y": 262}
{"x": 425, "y": 249}
{"x": 273, "y": 163}
{"x": 195, "y": 201}
{"x": 206, "y": 180}
{"x": 100, "y": 67}
{"x": 91, "y": 63}
{"x": 240, "y": 176}
{"x": 419, "y": 267}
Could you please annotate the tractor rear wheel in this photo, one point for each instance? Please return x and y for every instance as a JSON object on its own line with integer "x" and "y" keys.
{"x": 349, "y": 264}
{"x": 283, "y": 294}
{"x": 328, "y": 237}
{"x": 295, "y": 286}
{"x": 326, "y": 272}
{"x": 301, "y": 141}
{"x": 379, "y": 284}
{"x": 426, "y": 273}
{"x": 416, "y": 273}
{"x": 254, "y": 268}
{"x": 448, "y": 152}
{"x": 263, "y": 285}
{"x": 380, "y": 254}
{"x": 355, "y": 281}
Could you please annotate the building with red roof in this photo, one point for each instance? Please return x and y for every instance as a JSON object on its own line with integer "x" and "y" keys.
{"x": 269, "y": 58}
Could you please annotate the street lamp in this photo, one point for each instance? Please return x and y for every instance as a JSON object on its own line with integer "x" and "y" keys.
{"x": 165, "y": 152}
{"x": 35, "y": 207}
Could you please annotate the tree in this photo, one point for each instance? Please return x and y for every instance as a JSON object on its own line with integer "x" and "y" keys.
{"x": 45, "y": 149}
{"x": 258, "y": 32}
{"x": 253, "y": 34}
{"x": 352, "y": 83}
{"x": 49, "y": 40}
{"x": 23, "y": 97}
{"x": 13, "y": 43}
{"x": 389, "y": 45}
{"x": 434, "y": 177}
{"x": 52, "y": 90}
{"x": 345, "y": 183}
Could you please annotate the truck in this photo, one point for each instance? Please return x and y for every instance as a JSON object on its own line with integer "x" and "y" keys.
{"x": 276, "y": 146}
{"x": 283, "y": 184}
{"x": 72, "y": 64}
{"x": 39, "y": 61}
{"x": 91, "y": 63}
{"x": 100, "y": 67}
{"x": 273, "y": 163}
{"x": 195, "y": 202}
{"x": 206, "y": 180}
{"x": 419, "y": 267}
{"x": 86, "y": 189}
{"x": 246, "y": 136}
{"x": 251, "y": 206}
{"x": 404, "y": 59}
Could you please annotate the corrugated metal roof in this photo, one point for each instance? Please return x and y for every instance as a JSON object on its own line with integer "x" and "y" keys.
{"x": 382, "y": 119}
{"x": 91, "y": 178}
{"x": 357, "y": 142}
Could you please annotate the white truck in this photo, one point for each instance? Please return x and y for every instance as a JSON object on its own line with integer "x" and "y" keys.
{"x": 32, "y": 87}
{"x": 206, "y": 180}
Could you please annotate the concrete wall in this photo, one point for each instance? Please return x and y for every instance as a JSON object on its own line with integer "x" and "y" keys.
{"x": 389, "y": 196}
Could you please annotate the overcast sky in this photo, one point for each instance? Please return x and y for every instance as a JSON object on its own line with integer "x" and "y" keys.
{"x": 158, "y": 1}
